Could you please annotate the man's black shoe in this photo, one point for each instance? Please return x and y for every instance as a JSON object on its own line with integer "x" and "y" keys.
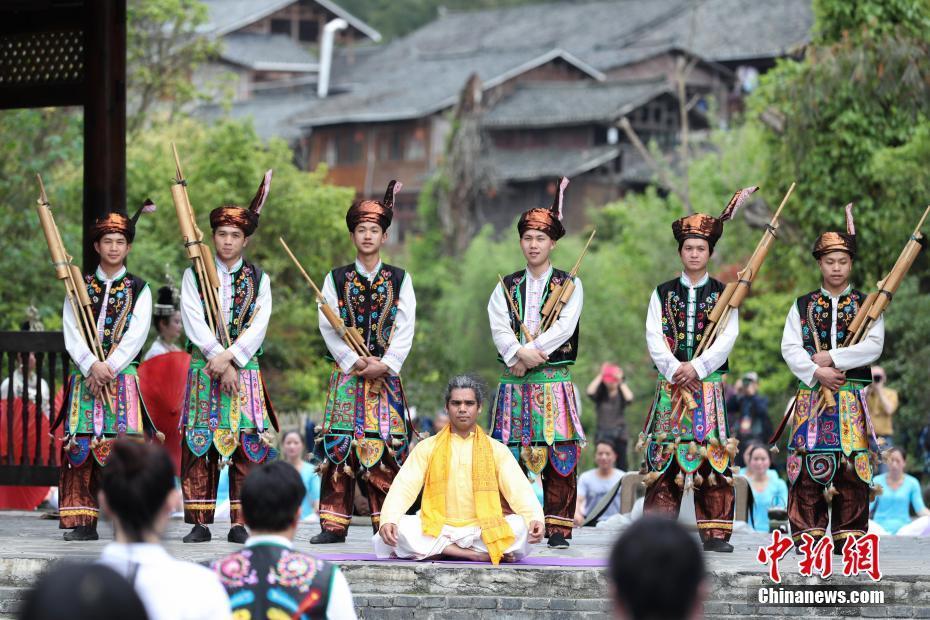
{"x": 325, "y": 538}
{"x": 199, "y": 533}
{"x": 557, "y": 541}
{"x": 717, "y": 544}
{"x": 237, "y": 534}
{"x": 81, "y": 533}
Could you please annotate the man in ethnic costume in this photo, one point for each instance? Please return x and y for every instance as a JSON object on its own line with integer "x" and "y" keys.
{"x": 227, "y": 417}
{"x": 365, "y": 434}
{"x": 829, "y": 463}
{"x": 691, "y": 448}
{"x": 122, "y": 306}
{"x": 537, "y": 413}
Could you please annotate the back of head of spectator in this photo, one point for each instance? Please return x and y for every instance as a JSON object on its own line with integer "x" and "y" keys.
{"x": 657, "y": 572}
{"x": 82, "y": 592}
{"x": 271, "y": 498}
{"x": 138, "y": 490}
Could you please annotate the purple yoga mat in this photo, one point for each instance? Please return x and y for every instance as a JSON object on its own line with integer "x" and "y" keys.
{"x": 527, "y": 561}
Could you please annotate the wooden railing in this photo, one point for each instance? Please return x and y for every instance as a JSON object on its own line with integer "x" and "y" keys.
{"x": 29, "y": 403}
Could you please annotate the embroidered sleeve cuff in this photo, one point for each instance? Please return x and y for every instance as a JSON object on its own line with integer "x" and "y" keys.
{"x": 346, "y": 361}
{"x": 393, "y": 361}
{"x": 240, "y": 355}
{"x": 700, "y": 368}
{"x": 213, "y": 349}
{"x": 510, "y": 356}
{"x": 87, "y": 360}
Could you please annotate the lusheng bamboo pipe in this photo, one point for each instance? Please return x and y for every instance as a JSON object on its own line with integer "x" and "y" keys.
{"x": 876, "y": 303}
{"x": 735, "y": 293}
{"x": 75, "y": 288}
{"x": 561, "y": 294}
{"x": 199, "y": 252}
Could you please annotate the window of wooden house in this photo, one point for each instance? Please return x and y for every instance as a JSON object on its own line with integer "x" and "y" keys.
{"x": 416, "y": 145}
{"x": 309, "y": 31}
{"x": 281, "y": 26}
{"x": 344, "y": 148}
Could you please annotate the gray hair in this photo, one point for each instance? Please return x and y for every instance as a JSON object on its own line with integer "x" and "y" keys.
{"x": 465, "y": 382}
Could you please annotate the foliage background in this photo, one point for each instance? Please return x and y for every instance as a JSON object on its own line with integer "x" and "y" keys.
{"x": 855, "y": 127}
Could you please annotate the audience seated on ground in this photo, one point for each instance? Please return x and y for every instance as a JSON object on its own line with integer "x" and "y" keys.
{"x": 466, "y": 478}
{"x": 657, "y": 572}
{"x": 82, "y": 592}
{"x": 268, "y": 578}
{"x": 595, "y": 484}
{"x": 900, "y": 494}
{"x": 138, "y": 492}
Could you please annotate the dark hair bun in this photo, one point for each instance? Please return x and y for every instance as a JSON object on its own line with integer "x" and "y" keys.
{"x": 165, "y": 296}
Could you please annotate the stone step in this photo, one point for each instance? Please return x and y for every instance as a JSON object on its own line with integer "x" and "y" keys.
{"x": 11, "y": 599}
{"x": 399, "y": 606}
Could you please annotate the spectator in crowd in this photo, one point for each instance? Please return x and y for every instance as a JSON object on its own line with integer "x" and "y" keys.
{"x": 882, "y": 402}
{"x": 900, "y": 494}
{"x": 594, "y": 484}
{"x": 657, "y": 572}
{"x": 440, "y": 421}
{"x": 137, "y": 492}
{"x": 749, "y": 412}
{"x": 82, "y": 592}
{"x": 268, "y": 578}
{"x": 768, "y": 490}
{"x": 294, "y": 450}
{"x": 611, "y": 395}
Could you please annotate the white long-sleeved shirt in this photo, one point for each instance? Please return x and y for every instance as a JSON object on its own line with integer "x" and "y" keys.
{"x": 195, "y": 323}
{"x": 508, "y": 343}
{"x": 707, "y": 362}
{"x": 401, "y": 338}
{"x": 134, "y": 333}
{"x": 844, "y": 358}
{"x": 170, "y": 589}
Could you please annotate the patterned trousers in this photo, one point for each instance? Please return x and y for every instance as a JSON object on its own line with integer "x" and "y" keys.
{"x": 78, "y": 487}
{"x": 200, "y": 477}
{"x": 337, "y": 491}
{"x": 713, "y": 503}
{"x": 808, "y": 509}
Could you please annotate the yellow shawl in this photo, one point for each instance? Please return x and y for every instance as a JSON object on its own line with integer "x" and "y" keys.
{"x": 495, "y": 531}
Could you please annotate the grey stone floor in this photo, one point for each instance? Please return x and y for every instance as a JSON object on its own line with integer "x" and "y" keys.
{"x": 25, "y": 535}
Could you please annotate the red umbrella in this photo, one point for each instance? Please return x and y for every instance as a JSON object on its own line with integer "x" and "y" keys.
{"x": 162, "y": 380}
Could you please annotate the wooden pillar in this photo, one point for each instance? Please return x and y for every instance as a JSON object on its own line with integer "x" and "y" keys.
{"x": 104, "y": 115}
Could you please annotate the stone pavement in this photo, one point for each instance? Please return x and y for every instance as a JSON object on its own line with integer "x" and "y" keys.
{"x": 435, "y": 590}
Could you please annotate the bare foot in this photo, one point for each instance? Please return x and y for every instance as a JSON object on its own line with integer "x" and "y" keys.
{"x": 508, "y": 557}
{"x": 469, "y": 555}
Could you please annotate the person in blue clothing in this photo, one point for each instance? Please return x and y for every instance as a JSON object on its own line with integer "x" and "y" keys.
{"x": 293, "y": 451}
{"x": 900, "y": 493}
{"x": 768, "y": 490}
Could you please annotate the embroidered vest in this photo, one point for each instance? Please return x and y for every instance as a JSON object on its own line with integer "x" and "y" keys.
{"x": 673, "y": 295}
{"x": 268, "y": 581}
{"x": 515, "y": 284}
{"x": 816, "y": 324}
{"x": 369, "y": 306}
{"x": 122, "y": 300}
{"x": 245, "y": 283}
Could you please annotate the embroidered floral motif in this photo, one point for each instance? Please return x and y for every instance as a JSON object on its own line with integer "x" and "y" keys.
{"x": 294, "y": 570}
{"x": 370, "y": 307}
{"x": 816, "y": 320}
{"x": 236, "y": 570}
{"x": 119, "y": 306}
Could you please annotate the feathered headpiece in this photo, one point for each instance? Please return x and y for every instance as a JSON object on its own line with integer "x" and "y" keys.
{"x": 245, "y": 219}
{"x": 378, "y": 212}
{"x": 708, "y": 227}
{"x": 116, "y": 222}
{"x": 547, "y": 220}
{"x": 838, "y": 241}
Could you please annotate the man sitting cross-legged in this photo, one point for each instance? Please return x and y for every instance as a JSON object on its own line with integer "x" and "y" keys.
{"x": 464, "y": 475}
